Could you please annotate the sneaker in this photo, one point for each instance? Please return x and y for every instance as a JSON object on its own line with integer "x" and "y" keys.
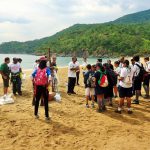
{"x": 36, "y": 116}
{"x": 20, "y": 93}
{"x": 68, "y": 93}
{"x": 73, "y": 93}
{"x": 130, "y": 111}
{"x": 135, "y": 101}
{"x": 118, "y": 111}
{"x": 47, "y": 119}
{"x": 92, "y": 105}
{"x": 87, "y": 106}
{"x": 104, "y": 108}
{"x": 99, "y": 110}
{"x": 146, "y": 97}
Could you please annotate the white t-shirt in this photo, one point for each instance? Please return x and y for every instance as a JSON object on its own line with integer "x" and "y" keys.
{"x": 78, "y": 65}
{"x": 147, "y": 66}
{"x": 14, "y": 68}
{"x": 127, "y": 74}
{"x": 121, "y": 65}
{"x": 118, "y": 70}
{"x": 35, "y": 66}
{"x": 136, "y": 68}
{"x": 72, "y": 73}
{"x": 84, "y": 69}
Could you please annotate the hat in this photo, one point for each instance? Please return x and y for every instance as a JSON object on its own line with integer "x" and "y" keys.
{"x": 43, "y": 58}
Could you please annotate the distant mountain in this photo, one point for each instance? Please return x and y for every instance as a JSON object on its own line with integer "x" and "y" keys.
{"x": 139, "y": 17}
{"x": 127, "y": 35}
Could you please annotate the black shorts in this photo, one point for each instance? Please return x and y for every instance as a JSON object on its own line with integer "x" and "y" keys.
{"x": 137, "y": 84}
{"x": 6, "y": 82}
{"x": 146, "y": 80}
{"x": 125, "y": 92}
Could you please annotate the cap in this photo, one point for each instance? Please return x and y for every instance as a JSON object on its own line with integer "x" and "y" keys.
{"x": 43, "y": 58}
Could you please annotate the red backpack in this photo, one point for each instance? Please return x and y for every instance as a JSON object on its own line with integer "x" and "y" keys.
{"x": 103, "y": 81}
{"x": 41, "y": 77}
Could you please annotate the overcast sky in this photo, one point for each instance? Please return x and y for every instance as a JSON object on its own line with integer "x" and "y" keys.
{"x": 24, "y": 20}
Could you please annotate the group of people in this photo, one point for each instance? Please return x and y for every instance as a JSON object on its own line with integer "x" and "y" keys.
{"x": 104, "y": 81}
{"x": 11, "y": 73}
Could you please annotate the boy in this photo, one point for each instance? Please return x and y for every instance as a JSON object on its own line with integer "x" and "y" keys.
{"x": 125, "y": 86}
{"x": 146, "y": 77}
{"x": 89, "y": 85}
{"x": 5, "y": 72}
{"x": 137, "y": 80}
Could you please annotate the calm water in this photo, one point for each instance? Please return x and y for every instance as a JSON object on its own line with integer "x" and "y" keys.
{"x": 28, "y": 60}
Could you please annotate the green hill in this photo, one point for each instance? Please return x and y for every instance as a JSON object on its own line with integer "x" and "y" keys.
{"x": 139, "y": 17}
{"x": 114, "y": 38}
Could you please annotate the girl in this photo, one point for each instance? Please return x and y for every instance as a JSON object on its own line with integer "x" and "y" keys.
{"x": 42, "y": 79}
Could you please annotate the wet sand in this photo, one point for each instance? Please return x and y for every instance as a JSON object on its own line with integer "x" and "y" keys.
{"x": 73, "y": 127}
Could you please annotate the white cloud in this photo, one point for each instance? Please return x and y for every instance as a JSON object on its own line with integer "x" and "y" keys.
{"x": 31, "y": 19}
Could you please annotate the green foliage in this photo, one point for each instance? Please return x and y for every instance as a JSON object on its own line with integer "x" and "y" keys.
{"x": 108, "y": 39}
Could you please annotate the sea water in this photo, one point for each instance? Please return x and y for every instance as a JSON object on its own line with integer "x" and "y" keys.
{"x": 28, "y": 60}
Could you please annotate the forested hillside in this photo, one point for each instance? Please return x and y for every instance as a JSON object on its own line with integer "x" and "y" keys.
{"x": 99, "y": 39}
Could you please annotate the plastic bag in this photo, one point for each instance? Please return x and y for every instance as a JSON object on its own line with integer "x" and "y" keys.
{"x": 6, "y": 100}
{"x": 57, "y": 97}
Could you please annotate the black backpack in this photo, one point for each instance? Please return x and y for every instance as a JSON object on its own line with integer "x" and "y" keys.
{"x": 142, "y": 72}
{"x": 112, "y": 77}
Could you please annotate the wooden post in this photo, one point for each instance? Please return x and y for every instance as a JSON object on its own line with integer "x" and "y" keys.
{"x": 49, "y": 57}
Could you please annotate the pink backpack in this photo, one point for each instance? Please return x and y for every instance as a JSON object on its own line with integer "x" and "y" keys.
{"x": 41, "y": 77}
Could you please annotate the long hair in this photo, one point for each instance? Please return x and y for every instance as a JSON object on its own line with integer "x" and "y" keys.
{"x": 42, "y": 64}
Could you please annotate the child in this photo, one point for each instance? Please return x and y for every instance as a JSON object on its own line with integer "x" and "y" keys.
{"x": 42, "y": 79}
{"x": 146, "y": 77}
{"x": 125, "y": 86}
{"x": 99, "y": 90}
{"x": 89, "y": 86}
{"x": 117, "y": 71}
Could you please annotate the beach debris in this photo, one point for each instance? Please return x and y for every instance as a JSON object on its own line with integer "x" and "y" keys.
{"x": 6, "y": 99}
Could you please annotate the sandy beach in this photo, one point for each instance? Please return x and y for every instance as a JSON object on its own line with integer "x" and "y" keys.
{"x": 73, "y": 127}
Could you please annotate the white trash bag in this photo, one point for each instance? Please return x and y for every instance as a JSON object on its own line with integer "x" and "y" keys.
{"x": 57, "y": 97}
{"x": 6, "y": 99}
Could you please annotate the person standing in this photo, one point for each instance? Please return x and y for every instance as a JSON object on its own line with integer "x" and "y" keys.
{"x": 84, "y": 64}
{"x": 5, "y": 72}
{"x": 137, "y": 79}
{"x": 146, "y": 77}
{"x": 117, "y": 71}
{"x": 89, "y": 85}
{"x": 72, "y": 68}
{"x": 110, "y": 65}
{"x": 15, "y": 76}
{"x": 77, "y": 72}
{"x": 99, "y": 90}
{"x": 42, "y": 79}
{"x": 125, "y": 86}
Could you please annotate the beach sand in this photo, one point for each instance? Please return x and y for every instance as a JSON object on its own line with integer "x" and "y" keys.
{"x": 73, "y": 127}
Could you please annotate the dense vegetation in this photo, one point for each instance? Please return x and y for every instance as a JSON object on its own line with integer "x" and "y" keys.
{"x": 99, "y": 39}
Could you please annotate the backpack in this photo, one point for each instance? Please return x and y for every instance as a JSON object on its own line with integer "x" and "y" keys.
{"x": 127, "y": 80}
{"x": 41, "y": 77}
{"x": 112, "y": 77}
{"x": 103, "y": 81}
{"x": 142, "y": 72}
{"x": 90, "y": 81}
